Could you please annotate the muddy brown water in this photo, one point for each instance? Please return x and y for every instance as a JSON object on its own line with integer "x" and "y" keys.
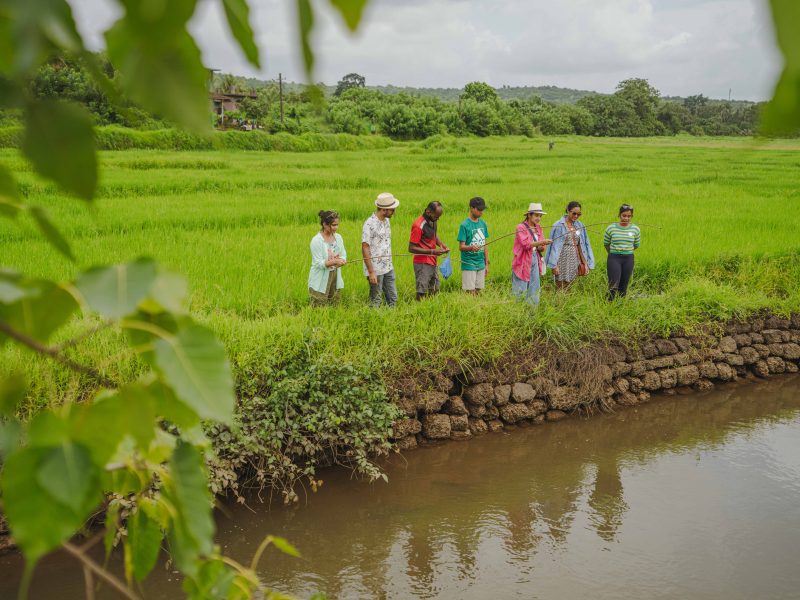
{"x": 686, "y": 497}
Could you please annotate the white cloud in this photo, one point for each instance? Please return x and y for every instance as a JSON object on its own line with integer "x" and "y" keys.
{"x": 683, "y": 47}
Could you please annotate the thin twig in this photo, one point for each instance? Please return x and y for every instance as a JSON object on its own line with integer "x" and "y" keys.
{"x": 55, "y": 355}
{"x": 88, "y": 580}
{"x": 82, "y": 336}
{"x": 99, "y": 571}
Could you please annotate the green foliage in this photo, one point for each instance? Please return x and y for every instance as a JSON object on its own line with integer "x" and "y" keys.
{"x": 479, "y": 92}
{"x": 782, "y": 114}
{"x": 302, "y": 416}
{"x": 348, "y": 82}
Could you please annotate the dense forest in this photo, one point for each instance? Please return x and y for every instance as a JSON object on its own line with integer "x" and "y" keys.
{"x": 635, "y": 109}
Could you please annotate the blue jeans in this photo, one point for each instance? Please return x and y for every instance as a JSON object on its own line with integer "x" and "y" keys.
{"x": 385, "y": 288}
{"x": 527, "y": 289}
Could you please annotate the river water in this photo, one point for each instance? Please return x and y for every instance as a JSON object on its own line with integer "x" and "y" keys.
{"x": 692, "y": 496}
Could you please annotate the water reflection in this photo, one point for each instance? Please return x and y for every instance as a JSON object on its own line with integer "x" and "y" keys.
{"x": 669, "y": 500}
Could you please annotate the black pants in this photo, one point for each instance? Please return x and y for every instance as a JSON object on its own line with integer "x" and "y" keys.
{"x": 620, "y": 269}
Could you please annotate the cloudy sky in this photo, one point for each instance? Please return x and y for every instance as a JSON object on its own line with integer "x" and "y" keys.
{"x": 682, "y": 46}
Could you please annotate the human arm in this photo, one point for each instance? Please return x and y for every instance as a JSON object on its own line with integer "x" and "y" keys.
{"x": 587, "y": 247}
{"x": 607, "y": 240}
{"x": 365, "y": 253}
{"x": 554, "y": 249}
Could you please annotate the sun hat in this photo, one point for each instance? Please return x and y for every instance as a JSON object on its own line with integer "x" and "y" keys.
{"x": 386, "y": 200}
{"x": 535, "y": 207}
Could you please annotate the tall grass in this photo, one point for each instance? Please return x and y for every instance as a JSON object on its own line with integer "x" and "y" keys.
{"x": 717, "y": 221}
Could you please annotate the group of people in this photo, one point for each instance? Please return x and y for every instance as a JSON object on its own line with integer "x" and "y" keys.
{"x": 567, "y": 253}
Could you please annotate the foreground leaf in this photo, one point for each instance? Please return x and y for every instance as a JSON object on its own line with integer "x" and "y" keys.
{"x": 38, "y": 523}
{"x": 70, "y": 477}
{"x": 12, "y": 392}
{"x": 238, "y": 14}
{"x": 192, "y": 530}
{"x": 351, "y": 11}
{"x": 144, "y": 541}
{"x": 115, "y": 291}
{"x": 306, "y": 16}
{"x": 152, "y": 56}
{"x": 59, "y": 141}
{"x": 9, "y": 194}
{"x": 50, "y": 232}
{"x": 194, "y": 363}
{"x": 44, "y": 308}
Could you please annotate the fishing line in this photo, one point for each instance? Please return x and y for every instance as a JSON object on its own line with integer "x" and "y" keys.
{"x": 497, "y": 239}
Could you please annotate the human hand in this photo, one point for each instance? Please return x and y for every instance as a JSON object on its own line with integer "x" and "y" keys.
{"x": 445, "y": 248}
{"x": 439, "y": 251}
{"x": 474, "y": 248}
{"x": 556, "y": 271}
{"x": 373, "y": 279}
{"x": 547, "y": 242}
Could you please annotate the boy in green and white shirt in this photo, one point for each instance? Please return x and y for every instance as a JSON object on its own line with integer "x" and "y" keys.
{"x": 472, "y": 236}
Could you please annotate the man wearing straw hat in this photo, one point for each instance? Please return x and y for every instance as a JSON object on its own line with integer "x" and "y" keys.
{"x": 376, "y": 247}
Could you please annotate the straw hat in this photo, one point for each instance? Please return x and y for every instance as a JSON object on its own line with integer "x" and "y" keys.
{"x": 535, "y": 207}
{"x": 386, "y": 200}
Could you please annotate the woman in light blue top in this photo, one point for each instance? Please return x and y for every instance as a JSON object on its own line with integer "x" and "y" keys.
{"x": 571, "y": 253}
{"x": 327, "y": 255}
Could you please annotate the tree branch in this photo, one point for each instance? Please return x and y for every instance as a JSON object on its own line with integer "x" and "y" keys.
{"x": 100, "y": 571}
{"x": 53, "y": 353}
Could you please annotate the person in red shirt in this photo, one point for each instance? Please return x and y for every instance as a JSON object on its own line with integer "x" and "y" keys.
{"x": 427, "y": 247}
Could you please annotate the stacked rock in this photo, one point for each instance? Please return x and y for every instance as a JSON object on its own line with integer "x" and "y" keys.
{"x": 484, "y": 400}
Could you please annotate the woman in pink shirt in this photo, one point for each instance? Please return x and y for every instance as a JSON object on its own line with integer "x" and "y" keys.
{"x": 526, "y": 273}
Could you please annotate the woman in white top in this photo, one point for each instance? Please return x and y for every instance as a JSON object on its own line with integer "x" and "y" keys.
{"x": 327, "y": 255}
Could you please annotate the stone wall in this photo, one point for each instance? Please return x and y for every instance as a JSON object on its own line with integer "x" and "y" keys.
{"x": 456, "y": 405}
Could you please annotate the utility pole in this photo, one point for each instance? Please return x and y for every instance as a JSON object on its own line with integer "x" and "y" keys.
{"x": 729, "y": 94}
{"x": 280, "y": 90}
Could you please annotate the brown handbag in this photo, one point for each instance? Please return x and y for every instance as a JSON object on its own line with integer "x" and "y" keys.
{"x": 583, "y": 269}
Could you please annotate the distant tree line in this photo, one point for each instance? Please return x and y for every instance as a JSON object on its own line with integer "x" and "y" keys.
{"x": 635, "y": 109}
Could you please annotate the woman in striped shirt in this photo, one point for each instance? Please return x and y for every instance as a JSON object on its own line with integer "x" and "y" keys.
{"x": 620, "y": 240}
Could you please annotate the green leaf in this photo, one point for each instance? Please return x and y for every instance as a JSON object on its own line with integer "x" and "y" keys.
{"x": 238, "y": 14}
{"x": 37, "y": 30}
{"x": 782, "y": 113}
{"x": 38, "y": 523}
{"x": 351, "y": 11}
{"x": 59, "y": 141}
{"x": 12, "y": 392}
{"x": 192, "y": 530}
{"x": 103, "y": 424}
{"x": 50, "y": 232}
{"x": 194, "y": 363}
{"x": 167, "y": 406}
{"x": 162, "y": 56}
{"x": 10, "y": 435}
{"x": 112, "y": 524}
{"x": 117, "y": 290}
{"x": 144, "y": 541}
{"x": 212, "y": 580}
{"x": 170, "y": 292}
{"x": 306, "y": 16}
{"x": 284, "y": 546}
{"x": 10, "y": 292}
{"x": 70, "y": 477}
{"x": 43, "y": 309}
{"x": 9, "y": 194}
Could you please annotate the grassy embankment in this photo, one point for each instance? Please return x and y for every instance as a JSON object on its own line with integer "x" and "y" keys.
{"x": 719, "y": 239}
{"x": 717, "y": 234}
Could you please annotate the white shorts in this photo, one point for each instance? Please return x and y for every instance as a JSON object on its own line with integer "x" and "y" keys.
{"x": 473, "y": 280}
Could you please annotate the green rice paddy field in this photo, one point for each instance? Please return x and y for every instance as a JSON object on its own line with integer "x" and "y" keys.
{"x": 719, "y": 227}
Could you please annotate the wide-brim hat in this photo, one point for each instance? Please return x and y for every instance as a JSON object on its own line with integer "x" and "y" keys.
{"x": 535, "y": 207}
{"x": 386, "y": 201}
